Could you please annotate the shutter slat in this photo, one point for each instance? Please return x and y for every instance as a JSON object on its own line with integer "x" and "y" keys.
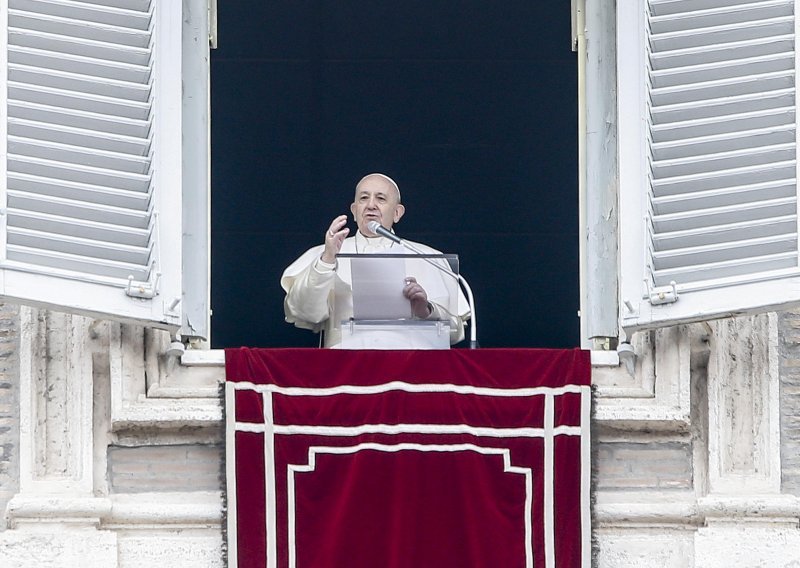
{"x": 76, "y": 263}
{"x": 78, "y": 191}
{"x": 719, "y": 70}
{"x": 91, "y": 230}
{"x": 78, "y": 101}
{"x": 717, "y": 144}
{"x": 137, "y": 5}
{"x": 101, "y": 123}
{"x": 664, "y": 7}
{"x": 78, "y": 210}
{"x": 80, "y": 247}
{"x": 722, "y": 34}
{"x": 753, "y": 229}
{"x": 723, "y": 160}
{"x": 719, "y": 179}
{"x": 65, "y": 81}
{"x": 80, "y": 65}
{"x": 78, "y": 137}
{"x": 721, "y": 252}
{"x": 694, "y": 19}
{"x": 78, "y": 155}
{"x": 722, "y": 52}
{"x": 712, "y": 90}
{"x": 78, "y": 173}
{"x": 75, "y": 28}
{"x": 699, "y": 200}
{"x": 721, "y": 107}
{"x": 725, "y": 124}
{"x": 726, "y": 269}
{"x": 723, "y": 215}
{"x": 74, "y": 46}
{"x": 115, "y": 16}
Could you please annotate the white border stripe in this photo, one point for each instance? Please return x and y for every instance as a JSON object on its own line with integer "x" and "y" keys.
{"x": 549, "y": 517}
{"x": 292, "y": 469}
{"x": 230, "y": 472}
{"x": 548, "y": 432}
{"x": 411, "y": 429}
{"x": 586, "y": 478}
{"x": 270, "y": 497}
{"x": 408, "y": 387}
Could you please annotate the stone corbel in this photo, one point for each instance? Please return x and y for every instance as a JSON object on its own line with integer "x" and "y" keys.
{"x": 150, "y": 389}
{"x": 657, "y": 396}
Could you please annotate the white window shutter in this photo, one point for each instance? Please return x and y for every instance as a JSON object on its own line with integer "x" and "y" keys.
{"x": 90, "y": 212}
{"x": 708, "y": 159}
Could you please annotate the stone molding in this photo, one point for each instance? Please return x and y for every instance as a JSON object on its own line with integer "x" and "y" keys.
{"x": 150, "y": 389}
{"x": 657, "y": 395}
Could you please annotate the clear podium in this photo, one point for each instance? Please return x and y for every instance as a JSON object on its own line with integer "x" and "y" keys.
{"x": 371, "y": 312}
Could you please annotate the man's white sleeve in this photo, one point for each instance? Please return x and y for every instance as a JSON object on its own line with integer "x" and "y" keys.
{"x": 309, "y": 296}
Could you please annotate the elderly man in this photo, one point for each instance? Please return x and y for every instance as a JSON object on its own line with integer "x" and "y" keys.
{"x": 315, "y": 290}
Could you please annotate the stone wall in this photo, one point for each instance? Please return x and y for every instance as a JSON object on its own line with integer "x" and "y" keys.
{"x": 711, "y": 482}
{"x": 180, "y": 467}
{"x": 790, "y": 401}
{"x": 114, "y": 448}
{"x": 9, "y": 405}
{"x": 111, "y": 451}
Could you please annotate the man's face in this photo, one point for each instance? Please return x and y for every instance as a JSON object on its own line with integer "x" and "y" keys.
{"x": 376, "y": 200}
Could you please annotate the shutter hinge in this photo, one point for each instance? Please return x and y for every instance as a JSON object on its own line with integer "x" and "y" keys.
{"x": 147, "y": 290}
{"x": 663, "y": 294}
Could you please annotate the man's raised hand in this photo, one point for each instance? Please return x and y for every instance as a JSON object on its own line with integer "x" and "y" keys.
{"x": 334, "y": 237}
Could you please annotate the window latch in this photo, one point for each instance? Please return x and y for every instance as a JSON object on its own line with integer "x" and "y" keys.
{"x": 663, "y": 294}
{"x": 146, "y": 290}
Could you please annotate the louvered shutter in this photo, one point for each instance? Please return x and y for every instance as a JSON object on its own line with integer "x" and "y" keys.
{"x": 91, "y": 197}
{"x": 708, "y": 158}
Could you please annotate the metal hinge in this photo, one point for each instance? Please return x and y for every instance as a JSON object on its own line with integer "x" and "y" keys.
{"x": 662, "y": 294}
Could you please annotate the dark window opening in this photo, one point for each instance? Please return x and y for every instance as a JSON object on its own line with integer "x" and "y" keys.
{"x": 471, "y": 108}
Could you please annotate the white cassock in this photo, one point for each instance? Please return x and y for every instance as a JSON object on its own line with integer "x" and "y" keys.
{"x": 316, "y": 290}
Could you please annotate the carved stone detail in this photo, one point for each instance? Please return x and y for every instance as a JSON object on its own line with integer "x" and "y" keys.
{"x": 743, "y": 406}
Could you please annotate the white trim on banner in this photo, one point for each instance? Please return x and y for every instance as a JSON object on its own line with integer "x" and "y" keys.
{"x": 270, "y": 496}
{"x": 410, "y": 387}
{"x": 230, "y": 472}
{"x": 269, "y": 429}
{"x": 586, "y": 478}
{"x": 507, "y": 467}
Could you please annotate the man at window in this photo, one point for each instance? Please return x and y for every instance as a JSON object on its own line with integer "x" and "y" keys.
{"x": 315, "y": 289}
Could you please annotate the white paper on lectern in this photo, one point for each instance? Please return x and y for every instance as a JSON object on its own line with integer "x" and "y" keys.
{"x": 378, "y": 284}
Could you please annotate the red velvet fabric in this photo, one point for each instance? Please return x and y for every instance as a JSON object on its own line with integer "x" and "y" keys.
{"x": 410, "y": 459}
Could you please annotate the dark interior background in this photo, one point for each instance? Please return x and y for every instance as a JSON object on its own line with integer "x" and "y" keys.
{"x": 470, "y": 106}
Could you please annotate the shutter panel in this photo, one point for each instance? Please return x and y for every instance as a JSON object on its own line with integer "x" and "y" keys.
{"x": 709, "y": 158}
{"x": 91, "y": 217}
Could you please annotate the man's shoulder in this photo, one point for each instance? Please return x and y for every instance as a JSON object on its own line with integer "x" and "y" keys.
{"x": 423, "y": 247}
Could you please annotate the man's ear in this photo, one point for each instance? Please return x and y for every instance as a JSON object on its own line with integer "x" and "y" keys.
{"x": 353, "y": 210}
{"x": 398, "y": 212}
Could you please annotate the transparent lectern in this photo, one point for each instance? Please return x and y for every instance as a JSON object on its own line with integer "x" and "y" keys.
{"x": 371, "y": 312}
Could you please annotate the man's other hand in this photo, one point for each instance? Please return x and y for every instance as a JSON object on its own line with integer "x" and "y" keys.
{"x": 418, "y": 298}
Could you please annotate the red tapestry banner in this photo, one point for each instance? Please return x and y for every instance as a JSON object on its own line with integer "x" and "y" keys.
{"x": 408, "y": 459}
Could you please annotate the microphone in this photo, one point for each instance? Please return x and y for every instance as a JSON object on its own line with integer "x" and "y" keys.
{"x": 378, "y": 229}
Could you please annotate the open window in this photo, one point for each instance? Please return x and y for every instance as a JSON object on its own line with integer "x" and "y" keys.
{"x": 104, "y": 169}
{"x": 708, "y": 208}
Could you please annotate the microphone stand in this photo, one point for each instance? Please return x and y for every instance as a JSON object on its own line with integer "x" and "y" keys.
{"x": 376, "y": 228}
